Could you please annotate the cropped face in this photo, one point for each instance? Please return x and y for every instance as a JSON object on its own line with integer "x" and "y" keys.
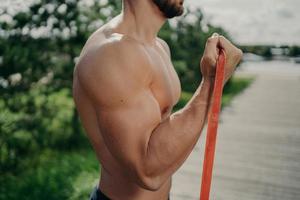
{"x": 170, "y": 8}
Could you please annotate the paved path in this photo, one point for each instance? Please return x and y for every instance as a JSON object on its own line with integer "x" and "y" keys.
{"x": 258, "y": 146}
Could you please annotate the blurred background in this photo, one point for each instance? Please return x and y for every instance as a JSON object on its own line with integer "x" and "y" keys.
{"x": 44, "y": 152}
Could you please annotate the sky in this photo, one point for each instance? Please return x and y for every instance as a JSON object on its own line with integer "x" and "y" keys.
{"x": 255, "y": 21}
{"x": 247, "y": 21}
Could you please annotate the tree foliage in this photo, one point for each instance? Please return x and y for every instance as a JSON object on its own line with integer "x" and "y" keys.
{"x": 38, "y": 50}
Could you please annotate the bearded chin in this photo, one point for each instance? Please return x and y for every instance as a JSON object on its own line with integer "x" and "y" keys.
{"x": 168, "y": 8}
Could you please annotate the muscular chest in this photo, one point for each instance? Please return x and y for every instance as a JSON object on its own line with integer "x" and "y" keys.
{"x": 165, "y": 86}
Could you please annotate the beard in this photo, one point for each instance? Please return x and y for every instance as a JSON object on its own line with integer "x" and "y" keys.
{"x": 169, "y": 8}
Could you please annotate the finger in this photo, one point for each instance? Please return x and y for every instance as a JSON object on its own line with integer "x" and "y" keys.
{"x": 224, "y": 43}
{"x": 218, "y": 51}
{"x": 211, "y": 45}
{"x": 215, "y": 35}
{"x": 213, "y": 39}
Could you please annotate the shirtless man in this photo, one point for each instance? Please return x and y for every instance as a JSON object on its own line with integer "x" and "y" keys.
{"x": 125, "y": 87}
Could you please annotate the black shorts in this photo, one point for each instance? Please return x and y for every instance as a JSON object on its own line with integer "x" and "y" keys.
{"x": 97, "y": 194}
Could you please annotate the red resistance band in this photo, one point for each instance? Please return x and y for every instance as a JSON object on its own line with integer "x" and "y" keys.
{"x": 212, "y": 127}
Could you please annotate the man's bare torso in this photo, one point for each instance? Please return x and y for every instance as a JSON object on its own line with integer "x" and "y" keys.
{"x": 165, "y": 87}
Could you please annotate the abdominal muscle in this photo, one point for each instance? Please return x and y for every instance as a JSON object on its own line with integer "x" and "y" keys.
{"x": 117, "y": 185}
{"x": 120, "y": 188}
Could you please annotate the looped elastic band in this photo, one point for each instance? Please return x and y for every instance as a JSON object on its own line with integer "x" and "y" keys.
{"x": 212, "y": 127}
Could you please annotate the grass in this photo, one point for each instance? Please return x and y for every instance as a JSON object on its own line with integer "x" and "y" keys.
{"x": 234, "y": 87}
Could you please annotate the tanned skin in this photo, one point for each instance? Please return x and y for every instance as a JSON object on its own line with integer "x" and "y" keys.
{"x": 125, "y": 87}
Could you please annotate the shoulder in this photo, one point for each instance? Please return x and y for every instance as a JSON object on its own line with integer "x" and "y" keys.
{"x": 113, "y": 53}
{"x": 108, "y": 50}
{"x": 165, "y": 46}
{"x": 112, "y": 69}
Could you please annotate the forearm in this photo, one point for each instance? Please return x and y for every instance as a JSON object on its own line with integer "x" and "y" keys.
{"x": 173, "y": 140}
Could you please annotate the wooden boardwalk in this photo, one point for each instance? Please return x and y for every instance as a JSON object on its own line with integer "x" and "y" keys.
{"x": 258, "y": 146}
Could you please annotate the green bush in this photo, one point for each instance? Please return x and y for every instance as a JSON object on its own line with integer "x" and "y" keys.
{"x": 38, "y": 113}
{"x": 53, "y": 175}
{"x": 32, "y": 121}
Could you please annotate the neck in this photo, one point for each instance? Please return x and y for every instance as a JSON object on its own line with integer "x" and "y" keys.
{"x": 141, "y": 20}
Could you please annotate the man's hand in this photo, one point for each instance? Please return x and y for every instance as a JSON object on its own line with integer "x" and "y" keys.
{"x": 233, "y": 56}
{"x": 211, "y": 53}
{"x": 210, "y": 56}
